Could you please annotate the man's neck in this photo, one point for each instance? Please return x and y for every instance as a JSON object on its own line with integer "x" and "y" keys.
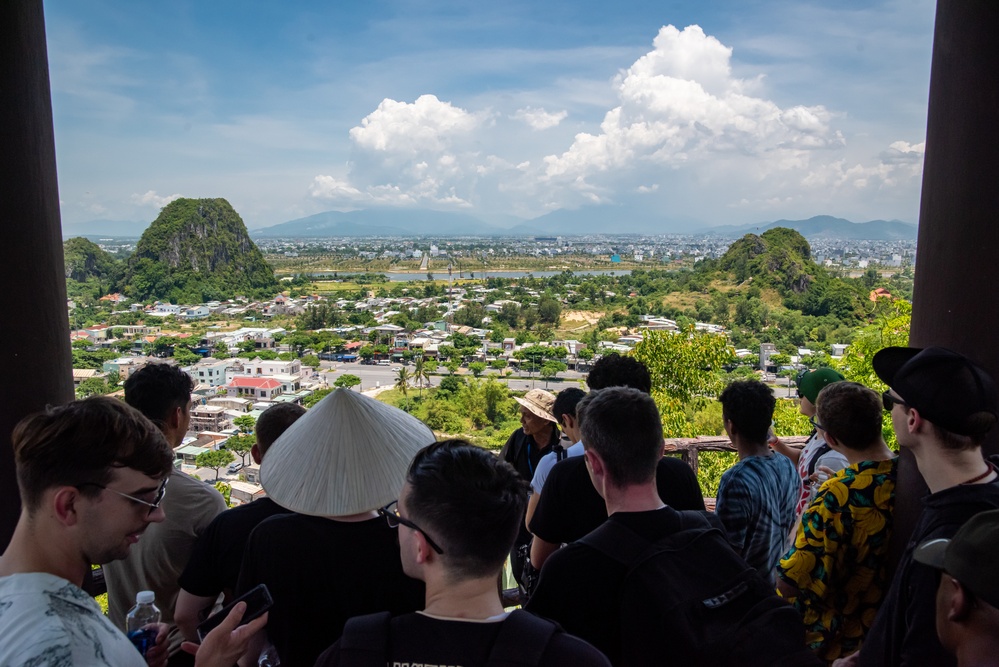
{"x": 29, "y": 551}
{"x": 946, "y": 468}
{"x": 876, "y": 452}
{"x": 633, "y": 498}
{"x": 474, "y": 599}
{"x": 746, "y": 448}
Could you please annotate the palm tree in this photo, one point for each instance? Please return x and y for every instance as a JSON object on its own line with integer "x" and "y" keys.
{"x": 402, "y": 384}
{"x": 420, "y": 374}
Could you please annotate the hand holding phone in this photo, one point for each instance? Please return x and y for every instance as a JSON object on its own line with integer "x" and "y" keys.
{"x": 258, "y": 600}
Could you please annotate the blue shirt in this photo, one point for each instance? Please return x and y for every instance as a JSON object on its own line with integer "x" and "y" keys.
{"x": 756, "y": 503}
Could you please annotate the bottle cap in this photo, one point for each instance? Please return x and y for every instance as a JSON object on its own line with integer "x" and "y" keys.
{"x": 145, "y": 597}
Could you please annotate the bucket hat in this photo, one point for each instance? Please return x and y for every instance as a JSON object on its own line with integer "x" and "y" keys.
{"x": 540, "y": 403}
{"x": 348, "y": 454}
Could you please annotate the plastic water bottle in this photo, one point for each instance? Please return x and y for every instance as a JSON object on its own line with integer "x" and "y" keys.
{"x": 141, "y": 621}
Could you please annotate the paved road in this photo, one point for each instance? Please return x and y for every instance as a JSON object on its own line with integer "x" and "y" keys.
{"x": 384, "y": 376}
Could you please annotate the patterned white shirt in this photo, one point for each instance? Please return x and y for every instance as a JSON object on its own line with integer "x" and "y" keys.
{"x": 46, "y": 620}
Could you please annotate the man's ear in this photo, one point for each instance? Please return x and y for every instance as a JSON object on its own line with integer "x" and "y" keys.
{"x": 959, "y": 602}
{"x": 831, "y": 441}
{"x": 914, "y": 421}
{"x": 255, "y": 454}
{"x": 595, "y": 463}
{"x": 424, "y": 551}
{"x": 174, "y": 418}
{"x": 64, "y": 505}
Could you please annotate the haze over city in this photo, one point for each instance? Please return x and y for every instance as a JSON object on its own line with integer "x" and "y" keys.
{"x": 732, "y": 113}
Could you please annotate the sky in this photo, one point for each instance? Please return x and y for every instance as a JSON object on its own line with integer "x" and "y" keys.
{"x": 709, "y": 112}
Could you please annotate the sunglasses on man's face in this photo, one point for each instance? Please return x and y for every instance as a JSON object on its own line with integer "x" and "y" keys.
{"x": 889, "y": 401}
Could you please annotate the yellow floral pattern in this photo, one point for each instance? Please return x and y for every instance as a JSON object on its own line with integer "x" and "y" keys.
{"x": 837, "y": 562}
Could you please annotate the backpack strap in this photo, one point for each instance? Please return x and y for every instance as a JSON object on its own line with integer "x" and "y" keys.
{"x": 365, "y": 640}
{"x": 819, "y": 453}
{"x": 522, "y": 641}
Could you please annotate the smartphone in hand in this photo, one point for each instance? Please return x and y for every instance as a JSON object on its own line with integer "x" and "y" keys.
{"x": 258, "y": 600}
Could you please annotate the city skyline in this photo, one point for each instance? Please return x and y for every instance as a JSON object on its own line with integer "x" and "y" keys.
{"x": 729, "y": 114}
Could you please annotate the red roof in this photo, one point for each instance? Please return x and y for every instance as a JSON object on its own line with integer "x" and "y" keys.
{"x": 256, "y": 383}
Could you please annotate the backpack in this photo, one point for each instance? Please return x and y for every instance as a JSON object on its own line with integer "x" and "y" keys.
{"x": 689, "y": 599}
{"x": 521, "y": 642}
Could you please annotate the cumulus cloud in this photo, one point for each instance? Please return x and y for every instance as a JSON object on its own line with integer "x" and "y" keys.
{"x": 682, "y": 130}
{"x": 680, "y": 103}
{"x": 539, "y": 119}
{"x": 426, "y": 125}
{"x": 327, "y": 187}
{"x": 150, "y": 198}
{"x": 420, "y": 153}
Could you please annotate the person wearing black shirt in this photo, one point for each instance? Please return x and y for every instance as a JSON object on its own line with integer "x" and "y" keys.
{"x": 218, "y": 553}
{"x": 457, "y": 516}
{"x": 536, "y": 437}
{"x": 570, "y": 507}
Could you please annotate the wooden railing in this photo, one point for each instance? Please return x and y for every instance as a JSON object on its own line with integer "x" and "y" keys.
{"x": 690, "y": 448}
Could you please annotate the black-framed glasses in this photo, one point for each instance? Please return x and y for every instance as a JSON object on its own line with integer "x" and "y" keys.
{"x": 816, "y": 425}
{"x": 889, "y": 401}
{"x": 152, "y": 506}
{"x": 391, "y": 514}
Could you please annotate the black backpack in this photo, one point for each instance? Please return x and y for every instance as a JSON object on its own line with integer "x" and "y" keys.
{"x": 521, "y": 642}
{"x": 689, "y": 599}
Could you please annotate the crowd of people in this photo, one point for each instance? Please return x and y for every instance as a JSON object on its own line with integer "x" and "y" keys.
{"x": 380, "y": 546}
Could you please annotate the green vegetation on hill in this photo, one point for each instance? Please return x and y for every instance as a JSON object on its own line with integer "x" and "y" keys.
{"x": 89, "y": 269}
{"x": 197, "y": 250}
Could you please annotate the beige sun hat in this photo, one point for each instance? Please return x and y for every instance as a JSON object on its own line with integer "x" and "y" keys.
{"x": 348, "y": 454}
{"x": 540, "y": 403}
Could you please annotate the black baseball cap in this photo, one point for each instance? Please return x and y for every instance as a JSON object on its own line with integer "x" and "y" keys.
{"x": 968, "y": 556}
{"x": 945, "y": 387}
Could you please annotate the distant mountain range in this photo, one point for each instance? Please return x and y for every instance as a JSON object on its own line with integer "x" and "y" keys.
{"x": 590, "y": 220}
{"x": 827, "y": 227}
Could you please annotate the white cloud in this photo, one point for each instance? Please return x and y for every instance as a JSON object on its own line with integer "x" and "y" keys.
{"x": 327, "y": 187}
{"x": 682, "y": 131}
{"x": 539, "y": 119}
{"x": 425, "y": 125}
{"x": 680, "y": 103}
{"x": 150, "y": 198}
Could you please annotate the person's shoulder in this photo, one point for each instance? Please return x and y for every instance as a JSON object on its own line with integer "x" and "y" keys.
{"x": 566, "y": 649}
{"x": 184, "y": 487}
{"x": 673, "y": 465}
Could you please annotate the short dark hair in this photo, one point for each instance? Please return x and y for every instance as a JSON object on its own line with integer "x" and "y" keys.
{"x": 470, "y": 502}
{"x": 274, "y": 421}
{"x": 851, "y": 413}
{"x": 156, "y": 389}
{"x": 615, "y": 370}
{"x": 749, "y": 405}
{"x": 622, "y": 425}
{"x": 84, "y": 441}
{"x": 566, "y": 402}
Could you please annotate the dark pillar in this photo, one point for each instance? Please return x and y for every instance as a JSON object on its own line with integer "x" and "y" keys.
{"x": 34, "y": 338}
{"x": 957, "y": 262}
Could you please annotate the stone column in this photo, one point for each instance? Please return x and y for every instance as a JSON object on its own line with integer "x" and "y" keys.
{"x": 34, "y": 337}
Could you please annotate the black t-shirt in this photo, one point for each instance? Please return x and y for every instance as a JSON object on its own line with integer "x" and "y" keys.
{"x": 569, "y": 506}
{"x": 321, "y": 572}
{"x": 218, "y": 552}
{"x": 523, "y": 453}
{"x": 418, "y": 639}
{"x": 580, "y": 588}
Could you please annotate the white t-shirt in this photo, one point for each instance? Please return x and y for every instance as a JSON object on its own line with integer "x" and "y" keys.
{"x": 47, "y": 620}
{"x": 547, "y": 462}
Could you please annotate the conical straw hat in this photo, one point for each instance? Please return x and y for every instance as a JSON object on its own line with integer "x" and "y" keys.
{"x": 348, "y": 454}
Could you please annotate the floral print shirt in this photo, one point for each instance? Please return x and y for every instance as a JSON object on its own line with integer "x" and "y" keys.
{"x": 838, "y": 561}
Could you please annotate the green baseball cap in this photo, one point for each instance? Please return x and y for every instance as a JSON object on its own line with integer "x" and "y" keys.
{"x": 812, "y": 382}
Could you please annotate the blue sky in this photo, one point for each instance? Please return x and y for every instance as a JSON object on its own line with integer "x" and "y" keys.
{"x": 715, "y": 112}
